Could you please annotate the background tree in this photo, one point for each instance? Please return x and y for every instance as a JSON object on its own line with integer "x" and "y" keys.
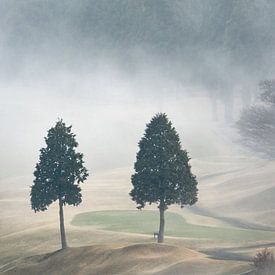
{"x": 58, "y": 173}
{"x": 162, "y": 173}
{"x": 257, "y": 123}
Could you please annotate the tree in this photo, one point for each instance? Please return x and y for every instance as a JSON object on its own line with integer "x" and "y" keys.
{"x": 58, "y": 173}
{"x": 268, "y": 91}
{"x": 257, "y": 123}
{"x": 264, "y": 262}
{"x": 162, "y": 172}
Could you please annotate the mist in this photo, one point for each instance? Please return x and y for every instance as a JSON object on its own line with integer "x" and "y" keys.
{"x": 107, "y": 68}
{"x": 107, "y": 109}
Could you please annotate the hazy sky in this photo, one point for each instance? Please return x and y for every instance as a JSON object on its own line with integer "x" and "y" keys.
{"x": 108, "y": 111}
{"x": 108, "y": 67}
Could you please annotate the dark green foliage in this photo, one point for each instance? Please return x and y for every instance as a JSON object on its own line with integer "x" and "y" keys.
{"x": 162, "y": 173}
{"x": 59, "y": 171}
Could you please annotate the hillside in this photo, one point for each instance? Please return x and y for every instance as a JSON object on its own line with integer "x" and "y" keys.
{"x": 225, "y": 179}
{"x": 134, "y": 259}
{"x": 245, "y": 193}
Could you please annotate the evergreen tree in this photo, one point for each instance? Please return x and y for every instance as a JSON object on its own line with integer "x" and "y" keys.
{"x": 58, "y": 173}
{"x": 162, "y": 172}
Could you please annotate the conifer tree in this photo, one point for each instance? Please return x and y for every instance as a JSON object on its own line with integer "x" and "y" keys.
{"x": 162, "y": 172}
{"x": 58, "y": 173}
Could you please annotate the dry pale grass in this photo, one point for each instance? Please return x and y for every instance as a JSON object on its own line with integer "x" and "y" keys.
{"x": 223, "y": 183}
{"x": 134, "y": 259}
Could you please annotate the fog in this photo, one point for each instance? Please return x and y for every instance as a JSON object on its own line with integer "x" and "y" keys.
{"x": 107, "y": 108}
{"x": 108, "y": 76}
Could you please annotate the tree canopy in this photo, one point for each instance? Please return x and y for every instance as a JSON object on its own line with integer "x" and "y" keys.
{"x": 163, "y": 174}
{"x": 59, "y": 171}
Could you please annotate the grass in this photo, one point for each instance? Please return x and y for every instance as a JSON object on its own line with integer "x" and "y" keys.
{"x": 146, "y": 222}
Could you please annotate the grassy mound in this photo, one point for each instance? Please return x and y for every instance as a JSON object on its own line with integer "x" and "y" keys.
{"x": 134, "y": 259}
{"x": 146, "y": 222}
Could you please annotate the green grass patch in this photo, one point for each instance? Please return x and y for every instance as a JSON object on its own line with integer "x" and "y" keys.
{"x": 147, "y": 222}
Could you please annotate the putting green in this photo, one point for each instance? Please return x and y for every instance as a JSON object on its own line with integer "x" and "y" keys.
{"x": 146, "y": 222}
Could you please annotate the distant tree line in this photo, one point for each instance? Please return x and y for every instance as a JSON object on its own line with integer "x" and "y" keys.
{"x": 185, "y": 31}
{"x": 257, "y": 122}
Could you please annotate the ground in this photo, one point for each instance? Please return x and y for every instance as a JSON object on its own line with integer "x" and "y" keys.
{"x": 233, "y": 218}
{"x": 146, "y": 222}
{"x": 133, "y": 259}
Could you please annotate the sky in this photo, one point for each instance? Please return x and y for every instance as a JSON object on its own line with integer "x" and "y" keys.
{"x": 107, "y": 67}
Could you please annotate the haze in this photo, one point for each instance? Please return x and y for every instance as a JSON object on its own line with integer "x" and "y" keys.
{"x": 64, "y": 60}
{"x": 106, "y": 67}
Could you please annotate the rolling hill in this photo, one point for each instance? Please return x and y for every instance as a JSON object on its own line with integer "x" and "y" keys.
{"x": 133, "y": 259}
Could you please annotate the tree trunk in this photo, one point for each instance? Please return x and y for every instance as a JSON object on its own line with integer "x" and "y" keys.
{"x": 62, "y": 227}
{"x": 161, "y": 225}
